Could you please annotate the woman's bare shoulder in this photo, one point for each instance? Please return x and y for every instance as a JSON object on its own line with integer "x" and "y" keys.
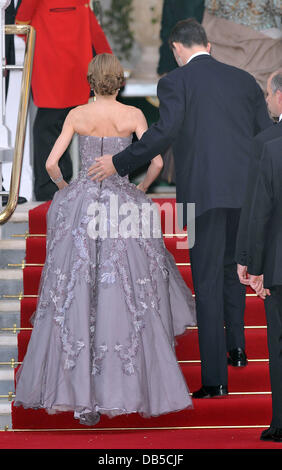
{"x": 79, "y": 116}
{"x": 73, "y": 114}
{"x": 80, "y": 110}
{"x": 135, "y": 113}
{"x": 132, "y": 109}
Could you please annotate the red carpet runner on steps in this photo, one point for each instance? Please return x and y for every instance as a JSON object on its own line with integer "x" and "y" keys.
{"x": 249, "y": 401}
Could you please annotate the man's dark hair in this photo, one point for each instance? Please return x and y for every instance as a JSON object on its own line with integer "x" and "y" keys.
{"x": 189, "y": 33}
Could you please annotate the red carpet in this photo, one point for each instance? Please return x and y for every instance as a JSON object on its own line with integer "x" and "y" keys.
{"x": 248, "y": 404}
{"x": 178, "y": 439}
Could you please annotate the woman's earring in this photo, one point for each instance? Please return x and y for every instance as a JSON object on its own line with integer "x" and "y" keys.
{"x": 93, "y": 94}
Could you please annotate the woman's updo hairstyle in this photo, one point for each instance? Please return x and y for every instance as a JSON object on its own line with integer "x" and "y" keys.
{"x": 105, "y": 74}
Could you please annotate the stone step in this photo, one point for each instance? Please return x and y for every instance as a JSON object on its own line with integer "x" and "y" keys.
{"x": 5, "y": 408}
{"x": 9, "y": 313}
{"x": 8, "y": 340}
{"x": 10, "y": 286}
{"x": 21, "y": 212}
{"x": 6, "y": 374}
{"x": 11, "y": 280}
{"x": 12, "y": 251}
{"x": 7, "y": 384}
{"x": 12, "y": 244}
{"x": 8, "y": 347}
{"x": 11, "y": 274}
{"x": 8, "y": 320}
{"x": 12, "y": 230}
{"x": 5, "y": 415}
{"x": 10, "y": 306}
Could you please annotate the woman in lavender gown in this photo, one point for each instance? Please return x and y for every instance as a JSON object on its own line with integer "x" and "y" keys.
{"x": 110, "y": 304}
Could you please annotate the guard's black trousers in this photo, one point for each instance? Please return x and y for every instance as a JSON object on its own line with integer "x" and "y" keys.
{"x": 273, "y": 309}
{"x": 220, "y": 297}
{"x": 47, "y": 128}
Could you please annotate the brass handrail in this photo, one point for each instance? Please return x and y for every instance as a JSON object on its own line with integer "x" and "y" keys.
{"x": 29, "y": 31}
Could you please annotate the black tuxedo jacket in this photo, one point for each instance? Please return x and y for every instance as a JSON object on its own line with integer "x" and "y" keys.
{"x": 209, "y": 113}
{"x": 265, "y": 230}
{"x": 268, "y": 134}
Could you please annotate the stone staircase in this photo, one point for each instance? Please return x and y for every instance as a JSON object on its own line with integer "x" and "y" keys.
{"x": 12, "y": 254}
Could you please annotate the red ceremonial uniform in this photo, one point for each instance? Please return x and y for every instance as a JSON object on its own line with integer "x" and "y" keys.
{"x": 66, "y": 30}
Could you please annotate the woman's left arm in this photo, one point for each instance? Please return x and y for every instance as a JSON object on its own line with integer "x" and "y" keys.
{"x": 156, "y": 164}
{"x": 58, "y": 149}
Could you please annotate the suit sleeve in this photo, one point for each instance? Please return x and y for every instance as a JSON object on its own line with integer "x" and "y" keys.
{"x": 161, "y": 134}
{"x": 262, "y": 118}
{"x": 26, "y": 11}
{"x": 262, "y": 207}
{"x": 241, "y": 251}
{"x": 98, "y": 37}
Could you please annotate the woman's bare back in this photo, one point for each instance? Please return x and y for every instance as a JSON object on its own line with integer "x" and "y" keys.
{"x": 108, "y": 118}
{"x": 105, "y": 117}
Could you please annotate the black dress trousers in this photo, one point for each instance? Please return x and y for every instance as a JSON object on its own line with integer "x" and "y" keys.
{"x": 273, "y": 309}
{"x": 47, "y": 128}
{"x": 220, "y": 297}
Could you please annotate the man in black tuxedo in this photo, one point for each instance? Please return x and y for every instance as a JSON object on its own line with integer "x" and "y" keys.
{"x": 274, "y": 102}
{"x": 209, "y": 113}
{"x": 264, "y": 263}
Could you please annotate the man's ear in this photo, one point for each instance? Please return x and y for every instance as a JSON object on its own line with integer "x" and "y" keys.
{"x": 176, "y": 46}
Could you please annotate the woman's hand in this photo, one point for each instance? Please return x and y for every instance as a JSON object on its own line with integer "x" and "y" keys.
{"x": 62, "y": 184}
{"x": 142, "y": 187}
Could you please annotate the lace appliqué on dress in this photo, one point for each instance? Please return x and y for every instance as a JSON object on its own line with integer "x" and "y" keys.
{"x": 147, "y": 303}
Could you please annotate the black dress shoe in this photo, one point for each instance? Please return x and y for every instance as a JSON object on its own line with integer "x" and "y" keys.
{"x": 272, "y": 434}
{"x": 211, "y": 392}
{"x": 237, "y": 358}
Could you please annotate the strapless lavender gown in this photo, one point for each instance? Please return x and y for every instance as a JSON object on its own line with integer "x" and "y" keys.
{"x": 108, "y": 311}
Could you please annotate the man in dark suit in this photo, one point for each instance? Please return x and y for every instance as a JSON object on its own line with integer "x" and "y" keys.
{"x": 209, "y": 113}
{"x": 264, "y": 263}
{"x": 274, "y": 102}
